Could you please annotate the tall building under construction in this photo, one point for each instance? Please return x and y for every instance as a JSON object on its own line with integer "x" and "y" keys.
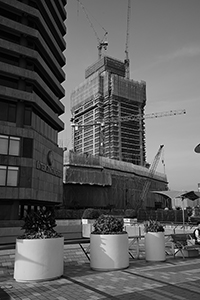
{"x": 108, "y": 113}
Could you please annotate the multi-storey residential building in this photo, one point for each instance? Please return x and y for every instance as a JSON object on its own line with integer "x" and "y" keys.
{"x": 101, "y": 107}
{"x": 31, "y": 60}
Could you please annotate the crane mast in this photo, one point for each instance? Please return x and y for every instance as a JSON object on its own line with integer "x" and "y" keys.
{"x": 103, "y": 44}
{"x": 127, "y": 61}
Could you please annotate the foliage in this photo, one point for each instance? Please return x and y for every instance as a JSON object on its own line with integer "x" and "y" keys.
{"x": 62, "y": 213}
{"x": 90, "y": 213}
{"x": 174, "y": 216}
{"x": 107, "y": 224}
{"x": 153, "y": 226}
{"x": 68, "y": 214}
{"x": 130, "y": 213}
{"x": 40, "y": 225}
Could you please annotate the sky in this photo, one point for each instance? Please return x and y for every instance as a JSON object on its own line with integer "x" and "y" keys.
{"x": 164, "y": 51}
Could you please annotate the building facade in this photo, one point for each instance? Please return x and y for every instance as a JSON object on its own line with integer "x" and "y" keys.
{"x": 108, "y": 113}
{"x": 31, "y": 61}
{"x": 97, "y": 181}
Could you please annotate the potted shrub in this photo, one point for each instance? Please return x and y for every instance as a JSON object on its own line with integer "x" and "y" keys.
{"x": 88, "y": 218}
{"x": 109, "y": 244}
{"x": 39, "y": 253}
{"x": 154, "y": 241}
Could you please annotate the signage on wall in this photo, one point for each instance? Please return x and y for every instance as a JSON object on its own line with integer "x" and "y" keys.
{"x": 50, "y": 158}
{"x": 47, "y": 168}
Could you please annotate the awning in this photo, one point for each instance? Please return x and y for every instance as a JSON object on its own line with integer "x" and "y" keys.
{"x": 191, "y": 195}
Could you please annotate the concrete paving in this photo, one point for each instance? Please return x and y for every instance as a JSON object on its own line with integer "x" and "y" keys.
{"x": 174, "y": 279}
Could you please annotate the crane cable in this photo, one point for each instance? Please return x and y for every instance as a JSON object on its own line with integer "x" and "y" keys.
{"x": 87, "y": 16}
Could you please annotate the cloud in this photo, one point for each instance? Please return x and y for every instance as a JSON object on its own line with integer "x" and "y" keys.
{"x": 185, "y": 52}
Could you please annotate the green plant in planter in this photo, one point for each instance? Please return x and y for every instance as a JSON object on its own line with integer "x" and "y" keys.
{"x": 90, "y": 213}
{"x": 40, "y": 225}
{"x": 107, "y": 224}
{"x": 153, "y": 226}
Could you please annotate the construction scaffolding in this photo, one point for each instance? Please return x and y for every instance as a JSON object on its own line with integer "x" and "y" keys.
{"x": 104, "y": 97}
{"x": 90, "y": 89}
{"x": 95, "y": 181}
{"x": 106, "y": 63}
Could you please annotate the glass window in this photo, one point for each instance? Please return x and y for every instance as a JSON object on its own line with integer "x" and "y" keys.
{"x": 3, "y": 111}
{"x": 2, "y": 175}
{"x": 12, "y": 176}
{"x": 9, "y": 176}
{"x": 3, "y": 144}
{"x": 9, "y": 145}
{"x": 7, "y": 112}
{"x": 12, "y": 113}
{"x": 14, "y": 146}
{"x": 27, "y": 148}
{"x": 27, "y": 116}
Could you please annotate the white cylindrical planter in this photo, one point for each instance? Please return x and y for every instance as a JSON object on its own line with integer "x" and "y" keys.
{"x": 87, "y": 227}
{"x": 38, "y": 259}
{"x": 109, "y": 251}
{"x": 155, "y": 246}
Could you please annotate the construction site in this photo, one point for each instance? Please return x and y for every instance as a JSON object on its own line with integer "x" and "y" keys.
{"x": 101, "y": 182}
{"x": 108, "y": 166}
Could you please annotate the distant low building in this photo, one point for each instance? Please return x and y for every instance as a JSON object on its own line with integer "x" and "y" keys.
{"x": 95, "y": 181}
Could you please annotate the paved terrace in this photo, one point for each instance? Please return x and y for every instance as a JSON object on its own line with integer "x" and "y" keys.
{"x": 174, "y": 279}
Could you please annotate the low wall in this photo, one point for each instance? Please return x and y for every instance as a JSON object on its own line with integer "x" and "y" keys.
{"x": 173, "y": 216}
{"x": 9, "y": 231}
{"x": 70, "y": 229}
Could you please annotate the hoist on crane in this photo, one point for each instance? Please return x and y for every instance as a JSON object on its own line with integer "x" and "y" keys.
{"x": 102, "y": 43}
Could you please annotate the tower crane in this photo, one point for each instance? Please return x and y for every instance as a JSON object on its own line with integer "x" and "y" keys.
{"x": 132, "y": 118}
{"x": 151, "y": 175}
{"x": 149, "y": 116}
{"x": 102, "y": 123}
{"x": 102, "y": 43}
{"x": 127, "y": 61}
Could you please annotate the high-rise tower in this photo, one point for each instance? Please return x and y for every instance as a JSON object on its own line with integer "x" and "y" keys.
{"x": 99, "y": 106}
{"x": 31, "y": 60}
